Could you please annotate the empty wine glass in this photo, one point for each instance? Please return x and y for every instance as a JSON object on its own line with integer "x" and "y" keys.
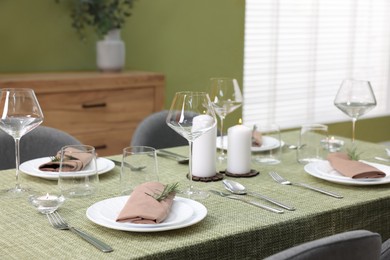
{"x": 225, "y": 95}
{"x": 20, "y": 113}
{"x": 355, "y": 98}
{"x": 191, "y": 115}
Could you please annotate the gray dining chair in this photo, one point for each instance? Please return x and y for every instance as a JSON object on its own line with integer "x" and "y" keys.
{"x": 40, "y": 142}
{"x": 153, "y": 131}
{"x": 351, "y": 245}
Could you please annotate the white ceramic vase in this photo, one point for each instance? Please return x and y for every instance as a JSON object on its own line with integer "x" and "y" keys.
{"x": 110, "y": 52}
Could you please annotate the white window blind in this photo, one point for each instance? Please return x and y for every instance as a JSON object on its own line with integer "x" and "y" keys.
{"x": 297, "y": 52}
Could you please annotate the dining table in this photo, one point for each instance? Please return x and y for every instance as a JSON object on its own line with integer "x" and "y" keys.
{"x": 230, "y": 230}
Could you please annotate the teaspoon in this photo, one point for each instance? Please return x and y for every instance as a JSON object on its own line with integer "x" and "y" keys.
{"x": 239, "y": 189}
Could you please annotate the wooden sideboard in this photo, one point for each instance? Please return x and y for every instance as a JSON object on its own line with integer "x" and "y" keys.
{"x": 99, "y": 109}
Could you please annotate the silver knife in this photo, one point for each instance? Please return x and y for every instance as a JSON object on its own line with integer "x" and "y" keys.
{"x": 251, "y": 202}
{"x": 320, "y": 190}
{"x": 280, "y": 204}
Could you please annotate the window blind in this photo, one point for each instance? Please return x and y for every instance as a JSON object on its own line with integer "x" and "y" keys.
{"x": 297, "y": 52}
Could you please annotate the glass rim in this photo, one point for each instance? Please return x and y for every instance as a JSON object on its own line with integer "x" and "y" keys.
{"x": 16, "y": 89}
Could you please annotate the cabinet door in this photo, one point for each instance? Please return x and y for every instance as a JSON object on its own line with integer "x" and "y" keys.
{"x": 91, "y": 115}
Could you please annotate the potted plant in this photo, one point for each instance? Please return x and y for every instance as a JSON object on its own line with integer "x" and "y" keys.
{"x": 106, "y": 17}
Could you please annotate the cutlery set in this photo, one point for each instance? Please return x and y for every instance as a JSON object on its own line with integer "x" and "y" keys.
{"x": 238, "y": 189}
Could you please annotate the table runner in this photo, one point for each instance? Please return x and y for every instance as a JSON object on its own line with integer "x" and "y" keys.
{"x": 231, "y": 230}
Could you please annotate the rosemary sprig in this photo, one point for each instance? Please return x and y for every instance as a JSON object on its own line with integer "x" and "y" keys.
{"x": 168, "y": 189}
{"x": 353, "y": 154}
{"x": 58, "y": 158}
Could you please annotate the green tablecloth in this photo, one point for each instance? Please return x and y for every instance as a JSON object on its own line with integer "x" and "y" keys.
{"x": 231, "y": 230}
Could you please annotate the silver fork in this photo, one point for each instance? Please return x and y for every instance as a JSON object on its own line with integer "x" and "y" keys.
{"x": 283, "y": 181}
{"x": 59, "y": 223}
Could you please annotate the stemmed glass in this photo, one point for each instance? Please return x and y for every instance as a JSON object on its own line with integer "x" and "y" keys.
{"x": 225, "y": 95}
{"x": 355, "y": 98}
{"x": 191, "y": 115}
{"x": 20, "y": 113}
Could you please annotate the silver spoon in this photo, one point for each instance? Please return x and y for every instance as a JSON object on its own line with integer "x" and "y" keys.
{"x": 239, "y": 189}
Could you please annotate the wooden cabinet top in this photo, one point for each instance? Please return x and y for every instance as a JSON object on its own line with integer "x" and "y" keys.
{"x": 76, "y": 81}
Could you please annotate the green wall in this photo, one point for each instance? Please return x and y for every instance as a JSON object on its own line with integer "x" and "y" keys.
{"x": 187, "y": 40}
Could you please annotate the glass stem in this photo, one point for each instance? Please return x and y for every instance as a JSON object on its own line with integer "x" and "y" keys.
{"x": 190, "y": 186}
{"x": 353, "y": 129}
{"x": 222, "y": 152}
{"x": 17, "y": 163}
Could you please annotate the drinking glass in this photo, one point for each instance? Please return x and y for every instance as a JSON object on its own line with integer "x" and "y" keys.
{"x": 310, "y": 146}
{"x": 79, "y": 182}
{"x": 225, "y": 95}
{"x": 355, "y": 98}
{"x": 20, "y": 113}
{"x": 191, "y": 115}
{"x": 139, "y": 165}
{"x": 271, "y": 141}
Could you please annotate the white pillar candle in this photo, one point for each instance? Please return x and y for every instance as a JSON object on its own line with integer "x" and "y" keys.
{"x": 239, "y": 149}
{"x": 204, "y": 148}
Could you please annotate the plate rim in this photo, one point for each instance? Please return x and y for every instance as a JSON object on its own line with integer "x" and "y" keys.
{"x": 109, "y": 165}
{"x": 200, "y": 212}
{"x": 253, "y": 148}
{"x": 311, "y": 169}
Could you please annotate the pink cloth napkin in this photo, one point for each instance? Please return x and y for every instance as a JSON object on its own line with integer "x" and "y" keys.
{"x": 354, "y": 169}
{"x": 77, "y": 162}
{"x": 257, "y": 138}
{"x": 142, "y": 208}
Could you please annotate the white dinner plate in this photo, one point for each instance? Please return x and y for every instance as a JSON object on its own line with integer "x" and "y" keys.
{"x": 32, "y": 168}
{"x": 269, "y": 143}
{"x": 323, "y": 170}
{"x": 184, "y": 213}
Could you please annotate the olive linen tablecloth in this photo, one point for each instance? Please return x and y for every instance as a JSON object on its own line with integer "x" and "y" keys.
{"x": 231, "y": 229}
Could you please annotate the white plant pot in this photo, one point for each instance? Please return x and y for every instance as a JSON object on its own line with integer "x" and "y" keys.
{"x": 110, "y": 52}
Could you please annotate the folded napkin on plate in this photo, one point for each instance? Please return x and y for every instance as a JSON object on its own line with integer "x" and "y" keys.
{"x": 256, "y": 138}
{"x": 77, "y": 161}
{"x": 142, "y": 208}
{"x": 354, "y": 169}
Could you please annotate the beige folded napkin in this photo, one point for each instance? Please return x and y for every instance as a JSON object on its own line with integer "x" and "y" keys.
{"x": 77, "y": 161}
{"x": 142, "y": 208}
{"x": 354, "y": 169}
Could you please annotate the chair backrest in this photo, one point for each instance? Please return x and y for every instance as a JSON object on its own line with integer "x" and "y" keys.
{"x": 153, "y": 131}
{"x": 351, "y": 245}
{"x": 40, "y": 142}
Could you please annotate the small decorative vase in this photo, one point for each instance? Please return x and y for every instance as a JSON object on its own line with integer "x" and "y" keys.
{"x": 111, "y": 52}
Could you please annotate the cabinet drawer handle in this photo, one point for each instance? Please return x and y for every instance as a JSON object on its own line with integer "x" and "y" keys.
{"x": 102, "y": 146}
{"x": 92, "y": 105}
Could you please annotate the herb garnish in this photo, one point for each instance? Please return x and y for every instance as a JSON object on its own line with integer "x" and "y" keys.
{"x": 353, "y": 154}
{"x": 168, "y": 189}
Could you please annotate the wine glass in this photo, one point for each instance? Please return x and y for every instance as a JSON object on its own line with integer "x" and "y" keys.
{"x": 20, "y": 113}
{"x": 184, "y": 117}
{"x": 225, "y": 95}
{"x": 355, "y": 98}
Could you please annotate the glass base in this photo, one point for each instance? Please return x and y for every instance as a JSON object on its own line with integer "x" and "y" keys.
{"x": 222, "y": 157}
{"x": 265, "y": 160}
{"x": 194, "y": 194}
{"x": 16, "y": 191}
{"x": 309, "y": 160}
{"x": 78, "y": 192}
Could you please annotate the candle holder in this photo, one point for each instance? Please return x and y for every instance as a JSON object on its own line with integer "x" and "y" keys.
{"x": 332, "y": 144}
{"x": 47, "y": 203}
